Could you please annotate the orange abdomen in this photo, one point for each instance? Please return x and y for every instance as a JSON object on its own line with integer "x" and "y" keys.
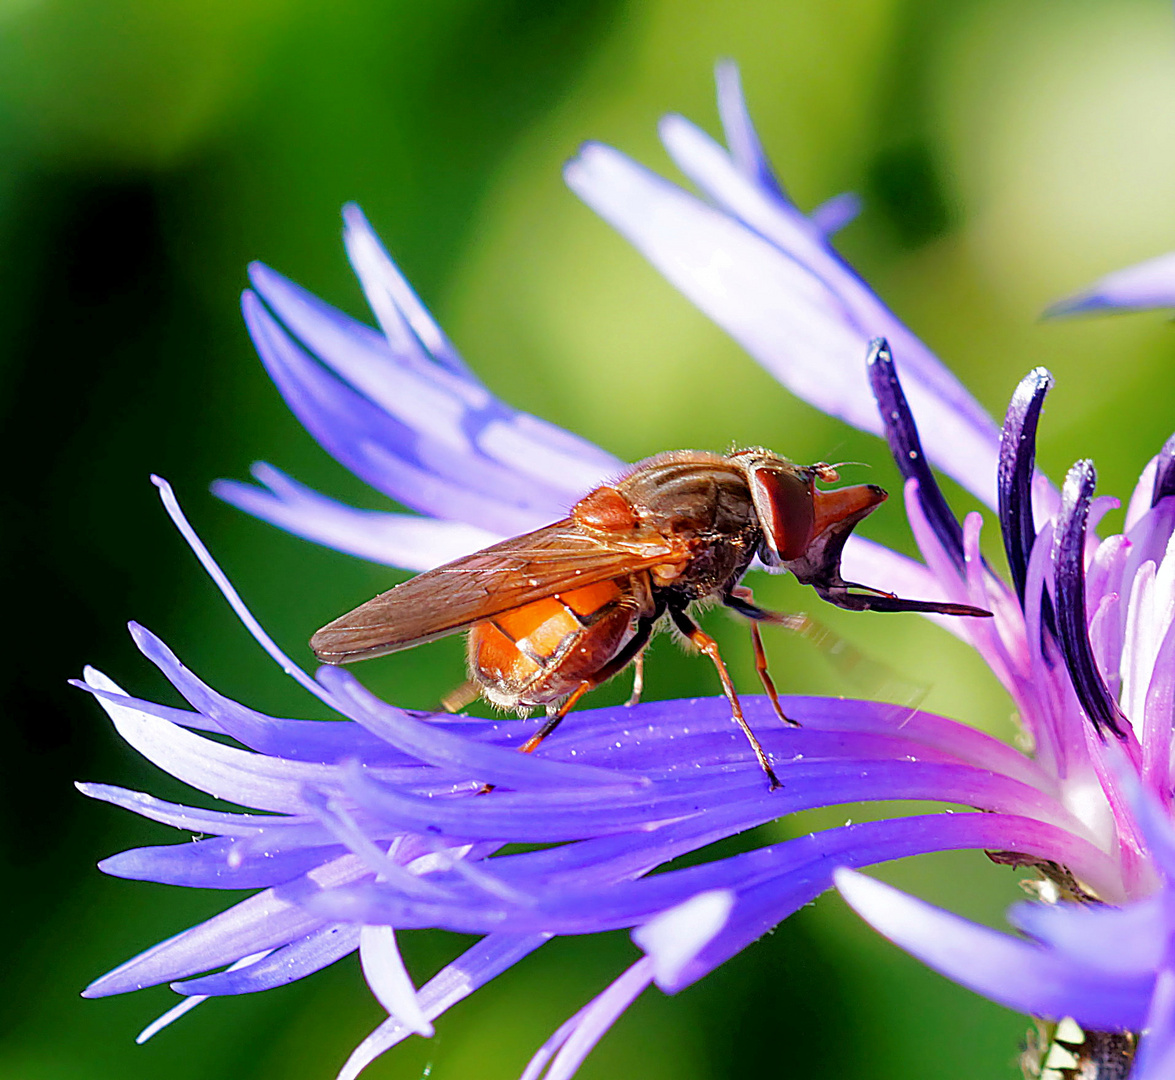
{"x": 539, "y": 653}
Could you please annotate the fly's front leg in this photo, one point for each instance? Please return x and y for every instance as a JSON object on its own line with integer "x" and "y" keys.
{"x": 704, "y": 643}
{"x": 743, "y": 601}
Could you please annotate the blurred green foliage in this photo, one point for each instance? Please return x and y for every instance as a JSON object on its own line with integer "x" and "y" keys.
{"x": 1009, "y": 152}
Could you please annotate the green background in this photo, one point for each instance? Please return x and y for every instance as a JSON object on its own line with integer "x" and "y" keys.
{"x": 1009, "y": 152}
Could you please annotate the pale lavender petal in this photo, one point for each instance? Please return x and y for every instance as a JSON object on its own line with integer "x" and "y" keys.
{"x": 383, "y": 968}
{"x": 1149, "y": 284}
{"x": 206, "y": 864}
{"x": 300, "y": 958}
{"x": 401, "y": 540}
{"x": 470, "y": 971}
{"x": 746, "y": 151}
{"x": 224, "y": 771}
{"x": 1015, "y": 973}
{"x": 835, "y": 213}
{"x": 220, "y": 579}
{"x": 405, "y": 321}
{"x": 763, "y": 272}
{"x": 193, "y": 819}
{"x": 264, "y": 921}
{"x": 1130, "y": 940}
{"x": 420, "y": 470}
{"x": 578, "y": 1037}
{"x": 188, "y": 1004}
{"x": 674, "y": 938}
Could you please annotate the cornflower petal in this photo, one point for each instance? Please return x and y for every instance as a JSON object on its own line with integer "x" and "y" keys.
{"x": 401, "y": 540}
{"x": 188, "y": 1004}
{"x": 746, "y": 151}
{"x": 578, "y": 1036}
{"x": 487, "y": 763}
{"x": 1149, "y": 284}
{"x": 383, "y": 968}
{"x": 1155, "y": 1059}
{"x": 1019, "y": 974}
{"x": 286, "y": 964}
{"x": 484, "y": 961}
{"x": 765, "y": 273}
{"x": 206, "y": 864}
{"x": 265, "y": 920}
{"x": 674, "y": 937}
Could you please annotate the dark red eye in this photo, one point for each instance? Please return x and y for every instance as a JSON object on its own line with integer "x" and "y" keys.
{"x": 783, "y": 502}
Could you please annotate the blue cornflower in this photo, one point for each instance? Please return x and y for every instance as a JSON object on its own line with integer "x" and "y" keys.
{"x": 362, "y": 826}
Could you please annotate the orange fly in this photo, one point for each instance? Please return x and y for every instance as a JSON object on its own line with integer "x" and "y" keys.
{"x": 555, "y": 612}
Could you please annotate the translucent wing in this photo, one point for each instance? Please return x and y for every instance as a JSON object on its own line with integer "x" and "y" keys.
{"x": 508, "y": 575}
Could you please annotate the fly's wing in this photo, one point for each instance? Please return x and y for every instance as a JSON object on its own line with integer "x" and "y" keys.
{"x": 511, "y": 574}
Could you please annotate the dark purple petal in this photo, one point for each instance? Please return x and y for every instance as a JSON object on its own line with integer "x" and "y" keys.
{"x": 1016, "y": 471}
{"x": 1069, "y": 570}
{"x": 284, "y": 965}
{"x": 205, "y": 864}
{"x": 901, "y": 432}
{"x": 1164, "y": 472}
{"x": 1016, "y": 973}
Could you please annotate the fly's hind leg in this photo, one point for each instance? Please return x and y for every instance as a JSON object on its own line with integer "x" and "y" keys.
{"x": 704, "y": 643}
{"x": 638, "y": 679}
{"x": 461, "y": 696}
{"x": 633, "y": 651}
{"x": 743, "y": 601}
{"x": 555, "y": 716}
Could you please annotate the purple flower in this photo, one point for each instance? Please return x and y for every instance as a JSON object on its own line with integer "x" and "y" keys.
{"x": 362, "y": 827}
{"x": 1107, "y": 609}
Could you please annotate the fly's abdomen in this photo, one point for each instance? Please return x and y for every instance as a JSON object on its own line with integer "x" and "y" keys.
{"x": 540, "y": 653}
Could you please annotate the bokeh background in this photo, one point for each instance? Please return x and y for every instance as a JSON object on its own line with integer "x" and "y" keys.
{"x": 1008, "y": 152}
